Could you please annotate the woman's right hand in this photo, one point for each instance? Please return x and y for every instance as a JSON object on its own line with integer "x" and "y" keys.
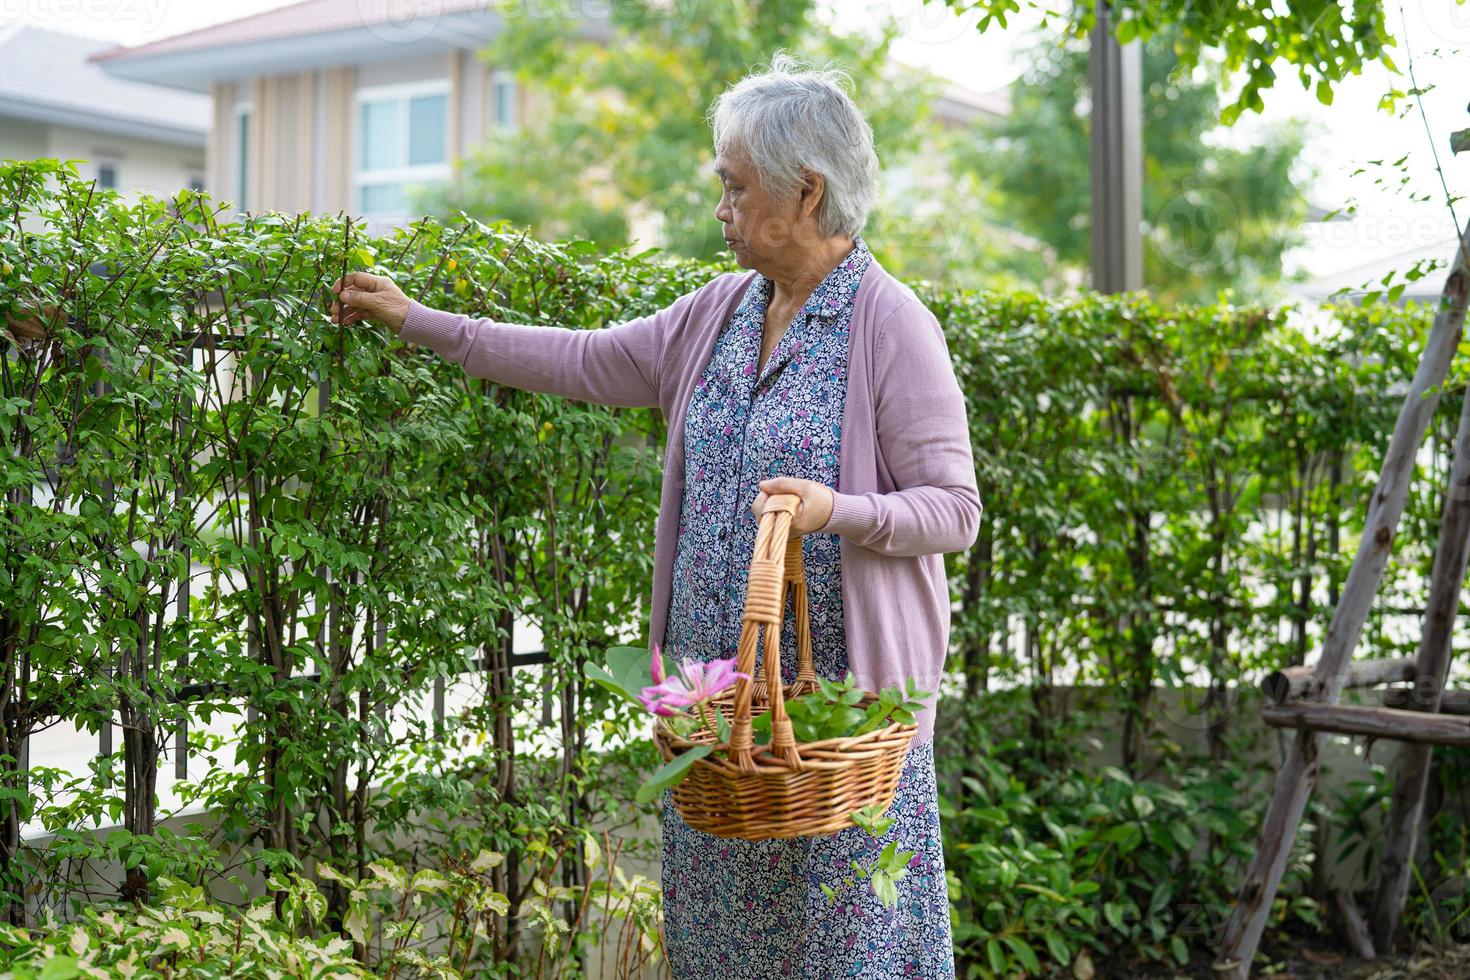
{"x": 364, "y": 296}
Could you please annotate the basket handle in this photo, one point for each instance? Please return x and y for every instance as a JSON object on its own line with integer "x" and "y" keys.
{"x": 774, "y": 564}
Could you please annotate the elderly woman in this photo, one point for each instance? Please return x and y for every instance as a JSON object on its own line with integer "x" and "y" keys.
{"x": 817, "y": 374}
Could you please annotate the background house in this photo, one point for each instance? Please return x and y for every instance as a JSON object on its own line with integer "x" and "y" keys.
{"x": 133, "y": 136}
{"x": 329, "y": 105}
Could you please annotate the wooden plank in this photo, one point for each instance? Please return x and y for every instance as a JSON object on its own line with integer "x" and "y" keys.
{"x": 1354, "y": 719}
{"x": 1432, "y": 667}
{"x": 1354, "y": 929}
{"x": 1298, "y": 775}
{"x": 1450, "y": 702}
{"x": 1302, "y": 682}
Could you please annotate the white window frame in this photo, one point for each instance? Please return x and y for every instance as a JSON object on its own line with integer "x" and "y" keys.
{"x": 241, "y": 190}
{"x": 499, "y": 77}
{"x": 407, "y": 174}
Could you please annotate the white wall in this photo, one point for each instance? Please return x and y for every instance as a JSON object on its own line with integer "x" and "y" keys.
{"x": 21, "y": 139}
{"x": 141, "y": 165}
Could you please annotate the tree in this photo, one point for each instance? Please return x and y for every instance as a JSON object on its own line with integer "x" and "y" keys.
{"x": 1324, "y": 40}
{"x": 1215, "y": 216}
{"x": 623, "y": 138}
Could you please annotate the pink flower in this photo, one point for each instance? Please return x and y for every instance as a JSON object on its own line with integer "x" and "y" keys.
{"x": 705, "y": 680}
{"x": 656, "y": 666}
{"x": 697, "y": 682}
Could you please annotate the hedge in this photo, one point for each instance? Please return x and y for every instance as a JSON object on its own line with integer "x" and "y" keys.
{"x": 219, "y": 503}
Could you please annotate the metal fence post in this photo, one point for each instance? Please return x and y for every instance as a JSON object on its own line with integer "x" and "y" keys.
{"x": 1117, "y": 159}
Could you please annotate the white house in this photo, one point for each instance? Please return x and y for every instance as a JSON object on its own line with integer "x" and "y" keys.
{"x": 134, "y": 136}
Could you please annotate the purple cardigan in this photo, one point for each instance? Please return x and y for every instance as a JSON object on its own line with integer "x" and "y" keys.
{"x": 906, "y": 480}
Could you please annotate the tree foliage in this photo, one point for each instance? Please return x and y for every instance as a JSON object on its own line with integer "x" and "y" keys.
{"x": 622, "y": 135}
{"x": 1325, "y": 41}
{"x": 1216, "y": 216}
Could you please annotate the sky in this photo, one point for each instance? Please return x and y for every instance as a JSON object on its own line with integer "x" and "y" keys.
{"x": 1337, "y": 168}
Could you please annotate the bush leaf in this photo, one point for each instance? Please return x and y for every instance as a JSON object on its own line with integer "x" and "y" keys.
{"x": 671, "y": 772}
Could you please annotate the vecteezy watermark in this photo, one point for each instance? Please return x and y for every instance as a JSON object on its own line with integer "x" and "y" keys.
{"x": 148, "y": 13}
{"x": 1448, "y": 21}
{"x": 1197, "y": 923}
{"x": 1199, "y": 230}
{"x": 407, "y": 21}
{"x": 1197, "y": 708}
{"x": 681, "y": 12}
{"x": 684, "y": 223}
{"x": 920, "y": 21}
{"x": 1204, "y": 229}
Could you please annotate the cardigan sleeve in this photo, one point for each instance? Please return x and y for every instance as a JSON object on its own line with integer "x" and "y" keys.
{"x": 923, "y": 439}
{"x": 619, "y": 365}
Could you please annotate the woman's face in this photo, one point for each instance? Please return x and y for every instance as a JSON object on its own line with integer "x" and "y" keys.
{"x": 759, "y": 229}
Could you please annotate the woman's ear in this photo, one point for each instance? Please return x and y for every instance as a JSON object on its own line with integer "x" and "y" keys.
{"x": 813, "y": 186}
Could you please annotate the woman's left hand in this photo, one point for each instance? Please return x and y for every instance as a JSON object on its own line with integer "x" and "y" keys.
{"x": 816, "y": 502}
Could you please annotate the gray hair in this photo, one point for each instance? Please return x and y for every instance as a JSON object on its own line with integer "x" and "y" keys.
{"x": 790, "y": 117}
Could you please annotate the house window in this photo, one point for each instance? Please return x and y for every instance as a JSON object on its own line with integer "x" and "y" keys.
{"x": 503, "y": 99}
{"x": 402, "y": 144}
{"x": 242, "y": 157}
{"x": 107, "y": 175}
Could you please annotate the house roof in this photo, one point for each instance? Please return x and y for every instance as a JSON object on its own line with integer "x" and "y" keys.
{"x": 303, "y": 17}
{"x": 959, "y": 104}
{"x": 48, "y": 78}
{"x": 307, "y": 34}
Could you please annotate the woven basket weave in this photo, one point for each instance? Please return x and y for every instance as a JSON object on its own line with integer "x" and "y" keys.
{"x": 785, "y": 788}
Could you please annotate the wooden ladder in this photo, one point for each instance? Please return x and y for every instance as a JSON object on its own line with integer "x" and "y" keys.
{"x": 1307, "y": 698}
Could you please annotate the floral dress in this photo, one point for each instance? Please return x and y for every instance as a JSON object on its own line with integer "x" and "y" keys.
{"x": 756, "y": 909}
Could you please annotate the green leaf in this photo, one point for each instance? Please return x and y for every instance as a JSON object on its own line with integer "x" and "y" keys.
{"x": 884, "y": 888}
{"x": 873, "y": 819}
{"x": 627, "y": 673}
{"x": 60, "y": 968}
{"x": 1057, "y": 947}
{"x": 1024, "y": 953}
{"x": 672, "y": 772}
{"x": 996, "y": 955}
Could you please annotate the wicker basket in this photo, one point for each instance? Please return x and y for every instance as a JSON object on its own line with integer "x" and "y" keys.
{"x": 783, "y": 789}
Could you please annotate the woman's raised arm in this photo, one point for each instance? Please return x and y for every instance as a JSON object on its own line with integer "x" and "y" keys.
{"x": 618, "y": 365}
